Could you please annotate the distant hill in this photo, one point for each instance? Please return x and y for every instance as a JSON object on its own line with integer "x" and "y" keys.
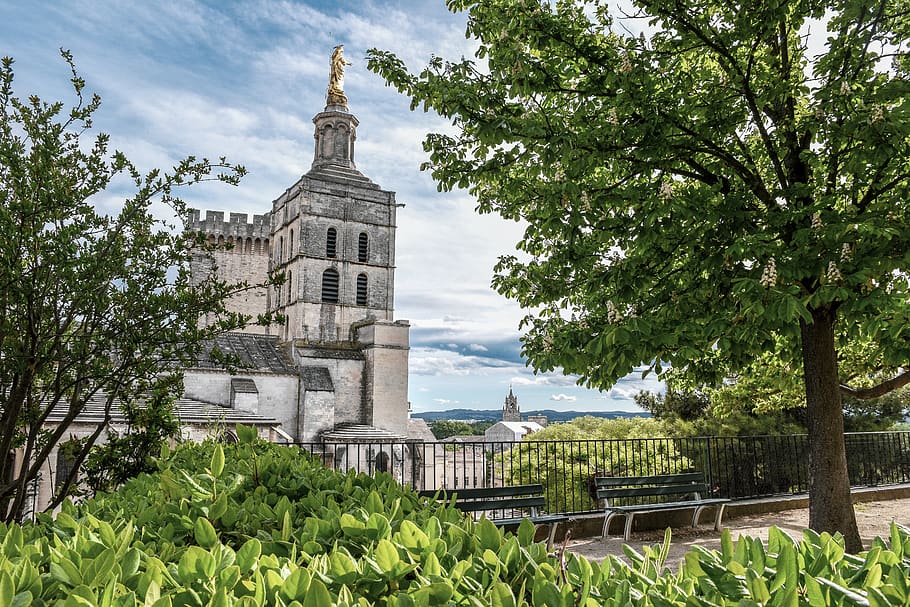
{"x": 494, "y": 415}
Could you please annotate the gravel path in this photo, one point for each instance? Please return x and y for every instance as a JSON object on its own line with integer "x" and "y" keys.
{"x": 873, "y": 518}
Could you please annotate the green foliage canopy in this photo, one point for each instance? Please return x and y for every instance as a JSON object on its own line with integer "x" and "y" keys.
{"x": 698, "y": 194}
{"x": 94, "y": 307}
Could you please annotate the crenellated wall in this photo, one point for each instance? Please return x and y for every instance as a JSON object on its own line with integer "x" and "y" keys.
{"x": 244, "y": 258}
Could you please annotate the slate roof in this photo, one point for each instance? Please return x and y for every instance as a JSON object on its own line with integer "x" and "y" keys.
{"x": 256, "y": 353}
{"x": 244, "y": 385}
{"x": 316, "y": 379}
{"x": 360, "y": 433}
{"x": 188, "y": 411}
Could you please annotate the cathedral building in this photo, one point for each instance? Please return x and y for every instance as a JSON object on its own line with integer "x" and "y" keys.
{"x": 336, "y": 369}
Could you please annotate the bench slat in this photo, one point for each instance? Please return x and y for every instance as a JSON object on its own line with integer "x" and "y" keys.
{"x": 507, "y": 503}
{"x": 657, "y": 479}
{"x": 668, "y": 505}
{"x": 471, "y": 493}
{"x": 652, "y": 491}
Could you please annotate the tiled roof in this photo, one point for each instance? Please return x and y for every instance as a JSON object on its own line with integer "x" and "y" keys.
{"x": 316, "y": 379}
{"x": 244, "y": 385}
{"x": 255, "y": 352}
{"x": 188, "y": 411}
{"x": 360, "y": 433}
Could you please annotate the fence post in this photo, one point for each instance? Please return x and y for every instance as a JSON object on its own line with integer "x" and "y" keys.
{"x": 710, "y": 470}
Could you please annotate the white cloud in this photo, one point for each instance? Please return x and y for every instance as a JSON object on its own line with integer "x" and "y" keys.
{"x": 439, "y": 362}
{"x": 445, "y": 401}
{"x": 477, "y": 348}
{"x": 544, "y": 380}
{"x": 564, "y": 397}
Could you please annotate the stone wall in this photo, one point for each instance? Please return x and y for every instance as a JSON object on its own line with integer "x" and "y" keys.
{"x": 243, "y": 258}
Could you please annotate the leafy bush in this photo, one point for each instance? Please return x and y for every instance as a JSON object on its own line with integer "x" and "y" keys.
{"x": 254, "y": 524}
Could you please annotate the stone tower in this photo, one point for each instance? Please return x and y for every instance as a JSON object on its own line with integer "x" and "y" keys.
{"x": 510, "y": 411}
{"x": 332, "y": 235}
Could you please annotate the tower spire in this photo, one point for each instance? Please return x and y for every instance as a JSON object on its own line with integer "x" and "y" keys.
{"x": 336, "y": 127}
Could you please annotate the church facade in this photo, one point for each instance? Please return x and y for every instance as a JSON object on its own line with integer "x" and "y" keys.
{"x": 332, "y": 235}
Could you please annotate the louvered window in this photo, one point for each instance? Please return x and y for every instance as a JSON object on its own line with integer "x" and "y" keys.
{"x": 330, "y": 286}
{"x": 363, "y": 247}
{"x": 331, "y": 241}
{"x": 361, "y": 289}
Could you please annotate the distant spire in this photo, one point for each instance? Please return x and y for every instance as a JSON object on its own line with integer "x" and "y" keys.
{"x": 510, "y": 412}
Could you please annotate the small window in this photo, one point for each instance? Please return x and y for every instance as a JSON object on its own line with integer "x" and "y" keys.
{"x": 280, "y": 249}
{"x": 331, "y": 240}
{"x": 290, "y": 285}
{"x": 363, "y": 248}
{"x": 291, "y": 246}
{"x": 330, "y": 286}
{"x": 361, "y": 289}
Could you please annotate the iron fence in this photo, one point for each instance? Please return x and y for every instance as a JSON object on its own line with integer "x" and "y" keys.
{"x": 735, "y": 467}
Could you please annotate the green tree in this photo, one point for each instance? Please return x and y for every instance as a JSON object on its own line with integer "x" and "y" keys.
{"x": 94, "y": 308}
{"x": 444, "y": 428}
{"x": 696, "y": 192}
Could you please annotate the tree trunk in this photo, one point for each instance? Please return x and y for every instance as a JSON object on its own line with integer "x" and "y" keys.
{"x": 830, "y": 502}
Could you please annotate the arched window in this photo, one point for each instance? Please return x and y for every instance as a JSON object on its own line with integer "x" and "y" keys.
{"x": 257, "y": 244}
{"x": 280, "y": 249}
{"x": 330, "y": 286}
{"x": 291, "y": 246}
{"x": 249, "y": 246}
{"x": 331, "y": 242}
{"x": 363, "y": 247}
{"x": 361, "y": 289}
{"x": 290, "y": 285}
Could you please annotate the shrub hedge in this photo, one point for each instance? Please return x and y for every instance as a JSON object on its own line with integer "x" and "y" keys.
{"x": 254, "y": 524}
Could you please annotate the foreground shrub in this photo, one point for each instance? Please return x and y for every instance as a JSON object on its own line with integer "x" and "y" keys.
{"x": 252, "y": 525}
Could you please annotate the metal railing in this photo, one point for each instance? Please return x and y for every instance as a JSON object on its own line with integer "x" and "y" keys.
{"x": 735, "y": 467}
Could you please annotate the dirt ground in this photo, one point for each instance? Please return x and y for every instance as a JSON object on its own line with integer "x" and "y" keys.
{"x": 874, "y": 519}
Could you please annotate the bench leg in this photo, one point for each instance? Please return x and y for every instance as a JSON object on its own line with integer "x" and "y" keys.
{"x": 695, "y": 516}
{"x": 552, "y": 536}
{"x": 608, "y": 516}
{"x": 627, "y": 532}
{"x": 720, "y": 514}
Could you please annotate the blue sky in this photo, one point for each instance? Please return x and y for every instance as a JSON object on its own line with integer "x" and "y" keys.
{"x": 243, "y": 80}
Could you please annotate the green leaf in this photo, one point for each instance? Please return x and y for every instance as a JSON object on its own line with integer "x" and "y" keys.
{"x": 246, "y": 434}
{"x": 296, "y": 585}
{"x": 216, "y": 467}
{"x": 205, "y": 533}
{"x": 386, "y": 555}
{"x": 318, "y": 595}
{"x": 249, "y": 554}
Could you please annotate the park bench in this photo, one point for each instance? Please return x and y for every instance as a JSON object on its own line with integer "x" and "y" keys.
{"x": 685, "y": 489}
{"x": 527, "y": 499}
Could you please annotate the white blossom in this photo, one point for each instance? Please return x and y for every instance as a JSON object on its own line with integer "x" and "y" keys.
{"x": 769, "y": 274}
{"x": 877, "y": 114}
{"x": 625, "y": 64}
{"x": 666, "y": 190}
{"x": 846, "y": 252}
{"x": 613, "y": 315}
{"x": 817, "y": 222}
{"x": 844, "y": 88}
{"x": 612, "y": 118}
{"x": 833, "y": 274}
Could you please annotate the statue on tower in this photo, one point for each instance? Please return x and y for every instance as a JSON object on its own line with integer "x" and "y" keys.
{"x": 336, "y": 94}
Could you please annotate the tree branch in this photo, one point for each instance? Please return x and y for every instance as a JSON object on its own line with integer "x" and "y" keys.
{"x": 898, "y": 381}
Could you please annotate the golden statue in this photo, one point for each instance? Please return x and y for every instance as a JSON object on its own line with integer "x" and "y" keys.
{"x": 336, "y": 77}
